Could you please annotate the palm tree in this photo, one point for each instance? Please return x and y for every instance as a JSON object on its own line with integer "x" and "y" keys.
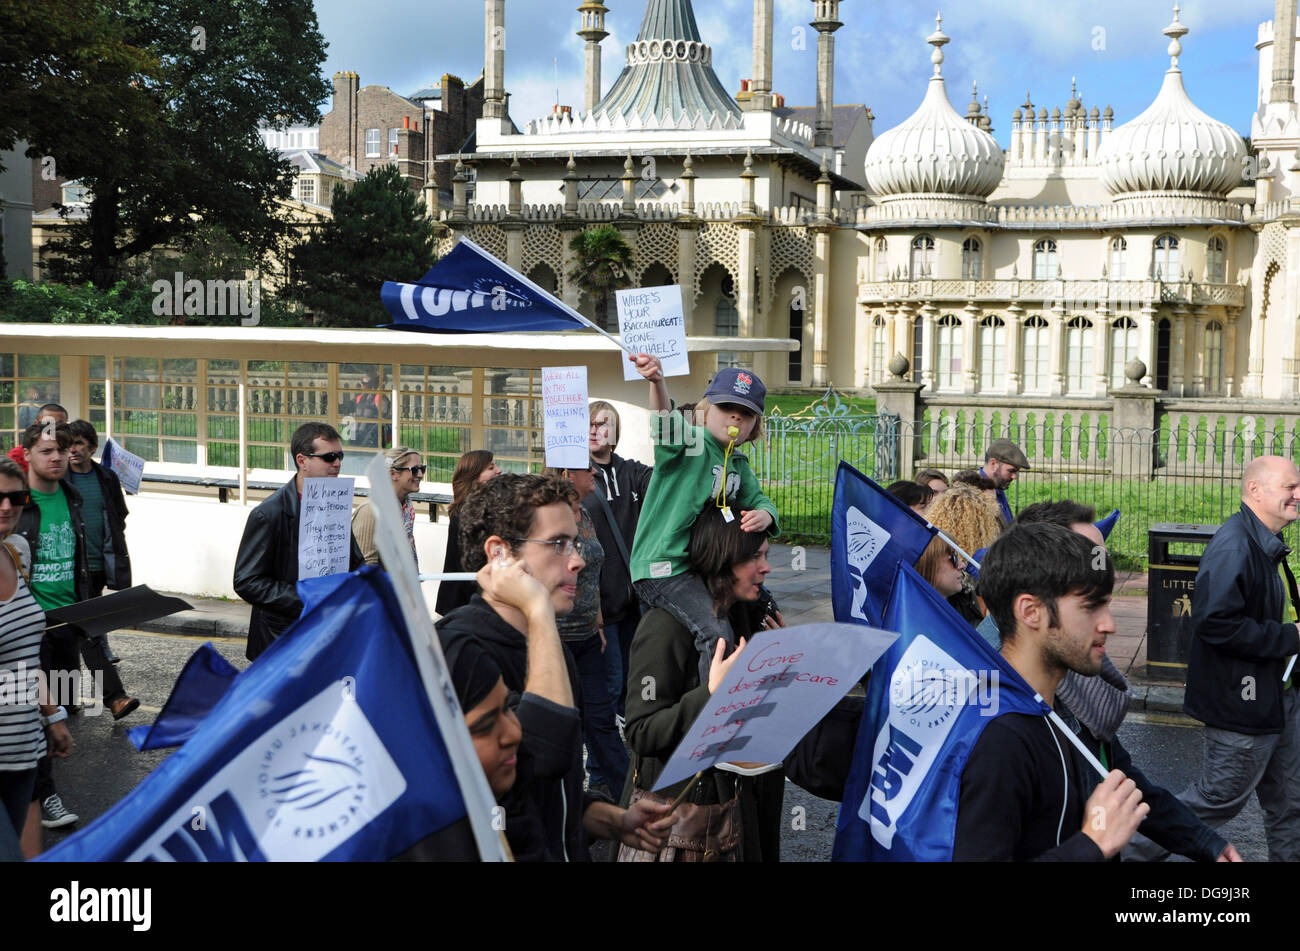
{"x": 604, "y": 265}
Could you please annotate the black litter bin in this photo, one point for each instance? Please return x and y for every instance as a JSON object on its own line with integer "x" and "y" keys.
{"x": 1171, "y": 587}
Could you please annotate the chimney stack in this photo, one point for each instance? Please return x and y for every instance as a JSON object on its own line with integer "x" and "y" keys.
{"x": 761, "y": 85}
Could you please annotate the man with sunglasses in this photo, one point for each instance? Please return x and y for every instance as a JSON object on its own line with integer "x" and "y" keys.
{"x": 266, "y": 569}
{"x": 406, "y": 469}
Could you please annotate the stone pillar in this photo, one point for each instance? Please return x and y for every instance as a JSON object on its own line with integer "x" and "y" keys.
{"x": 1056, "y": 353}
{"x": 1199, "y": 367}
{"x": 593, "y": 30}
{"x": 514, "y": 230}
{"x": 748, "y": 180}
{"x": 1015, "y": 327}
{"x": 1132, "y": 423}
{"x": 1147, "y": 341}
{"x": 1230, "y": 351}
{"x": 571, "y": 188}
{"x": 629, "y": 188}
{"x": 572, "y": 293}
{"x": 688, "y": 178}
{"x": 903, "y": 330}
{"x": 928, "y": 358}
{"x": 494, "y": 60}
{"x": 761, "y": 100}
{"x": 1283, "y": 52}
{"x": 688, "y": 234}
{"x": 459, "y": 192}
{"x": 515, "y": 202}
{"x": 821, "y": 301}
{"x": 747, "y": 289}
{"x": 969, "y": 369}
{"x": 826, "y": 20}
{"x": 1178, "y": 353}
{"x": 897, "y": 397}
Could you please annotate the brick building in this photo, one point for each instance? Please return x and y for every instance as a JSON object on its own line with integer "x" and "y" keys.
{"x": 372, "y": 124}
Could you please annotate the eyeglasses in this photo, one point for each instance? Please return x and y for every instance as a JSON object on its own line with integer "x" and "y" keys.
{"x": 414, "y": 470}
{"x": 560, "y": 546}
{"x": 16, "y": 499}
{"x": 329, "y": 457}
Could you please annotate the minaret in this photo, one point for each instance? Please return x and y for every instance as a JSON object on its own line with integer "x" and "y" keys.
{"x": 761, "y": 100}
{"x": 826, "y": 20}
{"x": 494, "y": 60}
{"x": 593, "y": 31}
{"x": 1283, "y": 52}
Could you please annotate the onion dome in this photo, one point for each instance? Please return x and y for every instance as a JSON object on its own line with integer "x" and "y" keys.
{"x": 1173, "y": 145}
{"x": 935, "y": 152}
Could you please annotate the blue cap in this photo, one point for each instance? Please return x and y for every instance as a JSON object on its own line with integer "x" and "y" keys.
{"x": 742, "y": 387}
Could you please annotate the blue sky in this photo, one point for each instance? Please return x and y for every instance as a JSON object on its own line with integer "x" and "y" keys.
{"x": 1114, "y": 47}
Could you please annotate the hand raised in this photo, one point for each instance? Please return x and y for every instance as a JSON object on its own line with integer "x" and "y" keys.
{"x": 755, "y": 520}
{"x": 1113, "y": 812}
{"x": 719, "y": 667}
{"x": 648, "y": 366}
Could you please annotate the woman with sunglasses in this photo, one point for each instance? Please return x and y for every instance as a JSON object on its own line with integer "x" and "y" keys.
{"x": 942, "y": 567}
{"x": 406, "y": 468}
{"x": 27, "y": 730}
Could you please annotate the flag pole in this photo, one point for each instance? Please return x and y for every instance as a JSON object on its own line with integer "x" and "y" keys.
{"x": 395, "y": 552}
{"x": 955, "y": 547}
{"x": 1073, "y": 738}
{"x": 450, "y": 576}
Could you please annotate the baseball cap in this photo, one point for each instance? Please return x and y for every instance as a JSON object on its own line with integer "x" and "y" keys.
{"x": 742, "y": 387}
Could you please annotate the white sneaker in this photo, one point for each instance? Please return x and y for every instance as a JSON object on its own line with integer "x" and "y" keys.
{"x": 54, "y": 815}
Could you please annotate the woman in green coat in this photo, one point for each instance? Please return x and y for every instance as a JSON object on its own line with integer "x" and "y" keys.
{"x": 728, "y": 816}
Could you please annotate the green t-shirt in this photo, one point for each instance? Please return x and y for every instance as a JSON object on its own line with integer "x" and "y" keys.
{"x": 688, "y": 470}
{"x": 54, "y": 572}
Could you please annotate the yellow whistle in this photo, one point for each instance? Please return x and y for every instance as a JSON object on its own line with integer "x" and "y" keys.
{"x": 733, "y": 431}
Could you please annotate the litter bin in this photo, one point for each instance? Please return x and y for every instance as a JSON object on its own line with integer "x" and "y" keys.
{"x": 1171, "y": 585}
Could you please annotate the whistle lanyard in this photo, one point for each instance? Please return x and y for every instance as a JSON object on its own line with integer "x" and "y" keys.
{"x": 721, "y": 500}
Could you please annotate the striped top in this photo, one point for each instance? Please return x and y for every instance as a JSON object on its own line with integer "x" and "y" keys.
{"x": 22, "y": 624}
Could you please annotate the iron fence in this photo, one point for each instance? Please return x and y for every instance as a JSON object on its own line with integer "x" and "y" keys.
{"x": 1181, "y": 471}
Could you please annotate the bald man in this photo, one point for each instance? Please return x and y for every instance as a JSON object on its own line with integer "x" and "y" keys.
{"x": 1244, "y": 636}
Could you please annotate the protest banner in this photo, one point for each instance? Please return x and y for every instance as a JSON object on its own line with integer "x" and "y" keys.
{"x": 650, "y": 320}
{"x": 325, "y": 527}
{"x": 564, "y": 408}
{"x": 127, "y": 466}
{"x": 783, "y": 684}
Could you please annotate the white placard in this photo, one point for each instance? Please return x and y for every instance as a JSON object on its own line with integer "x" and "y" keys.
{"x": 650, "y": 320}
{"x": 325, "y": 527}
{"x": 564, "y": 405}
{"x": 127, "y": 466}
{"x": 783, "y": 684}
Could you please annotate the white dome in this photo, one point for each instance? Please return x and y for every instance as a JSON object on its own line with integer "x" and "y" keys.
{"x": 1172, "y": 146}
{"x": 935, "y": 152}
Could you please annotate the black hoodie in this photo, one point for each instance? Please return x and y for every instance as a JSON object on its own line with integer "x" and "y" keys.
{"x": 544, "y": 808}
{"x": 623, "y": 484}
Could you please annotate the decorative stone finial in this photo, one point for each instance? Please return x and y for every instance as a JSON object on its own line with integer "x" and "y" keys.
{"x": 898, "y": 366}
{"x": 1134, "y": 371}
{"x": 938, "y": 40}
{"x": 688, "y": 166}
{"x": 627, "y": 164}
{"x": 572, "y": 165}
{"x": 1175, "y": 31}
{"x": 749, "y": 164}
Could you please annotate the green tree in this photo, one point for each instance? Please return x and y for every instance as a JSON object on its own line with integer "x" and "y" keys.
{"x": 604, "y": 265}
{"x": 379, "y": 232}
{"x": 155, "y": 105}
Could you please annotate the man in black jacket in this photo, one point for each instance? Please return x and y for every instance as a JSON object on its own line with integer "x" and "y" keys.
{"x": 518, "y": 532}
{"x": 1244, "y": 636}
{"x": 1026, "y": 793}
{"x": 266, "y": 569}
{"x": 620, "y": 488}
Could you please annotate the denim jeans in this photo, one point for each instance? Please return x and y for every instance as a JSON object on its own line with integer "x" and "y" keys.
{"x": 607, "y": 759}
{"x": 686, "y": 598}
{"x": 618, "y": 650}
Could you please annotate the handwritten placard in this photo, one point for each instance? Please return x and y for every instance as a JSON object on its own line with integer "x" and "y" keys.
{"x": 564, "y": 405}
{"x": 784, "y": 682}
{"x": 325, "y": 527}
{"x": 650, "y": 320}
{"x": 127, "y": 466}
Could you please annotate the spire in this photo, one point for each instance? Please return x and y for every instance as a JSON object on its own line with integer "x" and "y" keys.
{"x": 1175, "y": 31}
{"x": 938, "y": 40}
{"x": 973, "y": 110}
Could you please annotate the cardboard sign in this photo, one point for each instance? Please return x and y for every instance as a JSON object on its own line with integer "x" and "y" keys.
{"x": 650, "y": 320}
{"x": 127, "y": 466}
{"x": 783, "y": 684}
{"x": 325, "y": 527}
{"x": 564, "y": 405}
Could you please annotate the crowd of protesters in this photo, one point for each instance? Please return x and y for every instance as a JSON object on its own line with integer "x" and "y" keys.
{"x": 591, "y": 582}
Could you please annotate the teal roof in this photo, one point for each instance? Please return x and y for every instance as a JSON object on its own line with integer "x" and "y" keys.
{"x": 669, "y": 71}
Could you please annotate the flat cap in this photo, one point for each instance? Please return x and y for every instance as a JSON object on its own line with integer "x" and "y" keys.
{"x": 1004, "y": 450}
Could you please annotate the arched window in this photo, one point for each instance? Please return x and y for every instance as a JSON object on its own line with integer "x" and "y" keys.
{"x": 1118, "y": 259}
{"x": 1045, "y": 265}
{"x": 879, "y": 348}
{"x": 1214, "y": 358}
{"x": 1078, "y": 355}
{"x": 922, "y": 257}
{"x": 882, "y": 260}
{"x": 1036, "y": 354}
{"x": 1168, "y": 265}
{"x": 1216, "y": 265}
{"x": 972, "y": 265}
{"x": 1123, "y": 348}
{"x": 950, "y": 346}
{"x": 993, "y": 350}
{"x": 726, "y": 319}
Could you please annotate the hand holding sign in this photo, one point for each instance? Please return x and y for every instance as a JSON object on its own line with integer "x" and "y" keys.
{"x": 127, "y": 466}
{"x": 650, "y": 320}
{"x": 325, "y": 527}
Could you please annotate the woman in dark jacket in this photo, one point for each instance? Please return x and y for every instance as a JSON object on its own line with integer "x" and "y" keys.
{"x": 474, "y": 468}
{"x": 665, "y": 694}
